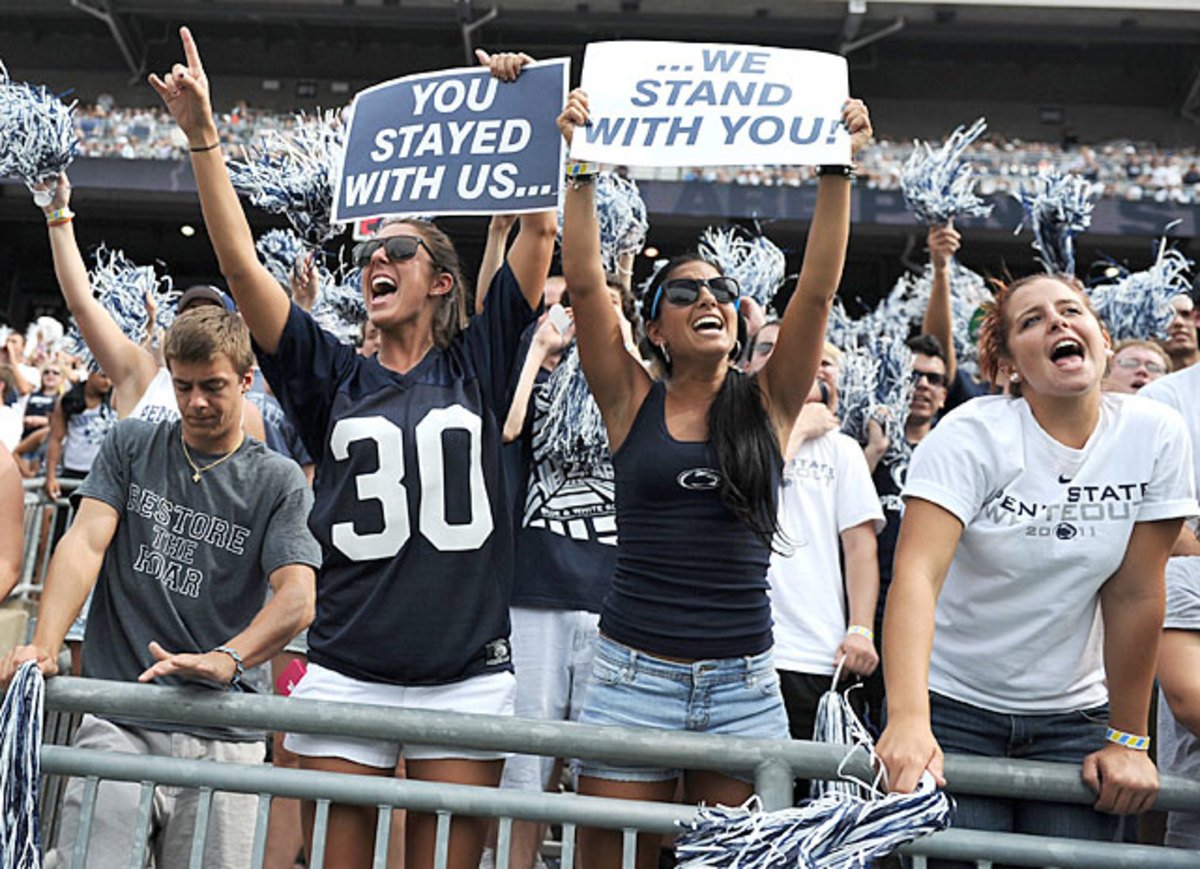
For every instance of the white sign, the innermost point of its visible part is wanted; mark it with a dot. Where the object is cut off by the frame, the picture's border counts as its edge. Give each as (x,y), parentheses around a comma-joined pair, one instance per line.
(704,104)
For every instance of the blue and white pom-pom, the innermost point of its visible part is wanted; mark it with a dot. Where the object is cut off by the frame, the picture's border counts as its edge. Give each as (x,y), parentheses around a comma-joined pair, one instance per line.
(621,212)
(279,250)
(754,260)
(37,136)
(340,308)
(121,287)
(291,173)
(1138,304)
(836,723)
(573,431)
(909,299)
(21,719)
(939,185)
(1058,207)
(875,383)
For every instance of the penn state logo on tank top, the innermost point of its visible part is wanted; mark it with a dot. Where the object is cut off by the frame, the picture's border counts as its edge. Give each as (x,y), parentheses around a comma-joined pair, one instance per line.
(699,479)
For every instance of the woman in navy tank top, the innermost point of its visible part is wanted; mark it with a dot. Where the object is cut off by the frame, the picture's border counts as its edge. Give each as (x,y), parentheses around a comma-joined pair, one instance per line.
(686,628)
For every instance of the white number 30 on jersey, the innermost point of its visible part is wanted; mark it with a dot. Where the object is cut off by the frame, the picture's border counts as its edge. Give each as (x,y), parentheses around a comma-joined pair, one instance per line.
(386,484)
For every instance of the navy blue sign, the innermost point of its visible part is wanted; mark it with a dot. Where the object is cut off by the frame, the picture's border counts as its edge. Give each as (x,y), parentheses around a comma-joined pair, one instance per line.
(455,142)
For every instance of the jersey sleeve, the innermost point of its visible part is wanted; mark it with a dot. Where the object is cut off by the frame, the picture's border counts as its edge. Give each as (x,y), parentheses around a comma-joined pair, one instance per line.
(952,466)
(1171,492)
(304,372)
(492,339)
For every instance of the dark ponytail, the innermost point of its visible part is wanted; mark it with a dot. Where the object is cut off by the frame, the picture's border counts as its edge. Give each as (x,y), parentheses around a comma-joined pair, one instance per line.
(749,454)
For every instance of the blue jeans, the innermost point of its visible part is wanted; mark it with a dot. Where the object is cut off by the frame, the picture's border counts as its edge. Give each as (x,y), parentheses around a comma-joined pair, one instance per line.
(630,688)
(1066,737)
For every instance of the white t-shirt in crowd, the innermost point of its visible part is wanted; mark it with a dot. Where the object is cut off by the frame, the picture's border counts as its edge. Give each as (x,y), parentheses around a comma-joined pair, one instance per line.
(1178,747)
(1181,390)
(158,402)
(1044,526)
(826,489)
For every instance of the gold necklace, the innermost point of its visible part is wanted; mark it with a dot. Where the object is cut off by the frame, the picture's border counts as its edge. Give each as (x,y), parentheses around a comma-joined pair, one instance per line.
(198,471)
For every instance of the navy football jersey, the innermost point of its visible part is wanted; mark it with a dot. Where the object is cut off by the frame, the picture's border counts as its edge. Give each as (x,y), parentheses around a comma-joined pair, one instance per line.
(410,503)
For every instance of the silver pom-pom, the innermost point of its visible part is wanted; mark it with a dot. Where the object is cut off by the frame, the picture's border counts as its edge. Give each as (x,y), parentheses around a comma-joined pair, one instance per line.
(37,136)
(291,173)
(122,287)
(573,431)
(622,215)
(754,260)
(1138,305)
(1058,206)
(939,185)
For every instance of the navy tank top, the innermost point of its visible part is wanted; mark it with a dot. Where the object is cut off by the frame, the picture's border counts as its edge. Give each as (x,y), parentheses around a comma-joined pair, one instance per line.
(691,578)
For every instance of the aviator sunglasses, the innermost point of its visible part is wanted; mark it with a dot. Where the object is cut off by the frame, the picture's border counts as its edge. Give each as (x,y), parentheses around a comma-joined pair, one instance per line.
(397,248)
(685,291)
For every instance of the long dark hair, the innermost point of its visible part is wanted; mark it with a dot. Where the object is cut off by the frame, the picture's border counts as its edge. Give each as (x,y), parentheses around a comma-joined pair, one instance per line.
(739,430)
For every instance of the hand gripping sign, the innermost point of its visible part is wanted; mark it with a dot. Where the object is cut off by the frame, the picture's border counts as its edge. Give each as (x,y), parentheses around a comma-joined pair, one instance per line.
(703,104)
(454,142)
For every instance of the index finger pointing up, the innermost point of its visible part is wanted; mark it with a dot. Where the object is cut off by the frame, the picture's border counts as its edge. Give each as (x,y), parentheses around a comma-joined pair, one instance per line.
(191,52)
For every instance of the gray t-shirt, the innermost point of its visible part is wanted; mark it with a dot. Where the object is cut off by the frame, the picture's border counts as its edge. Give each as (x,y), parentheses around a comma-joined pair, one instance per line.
(189,564)
(1178,747)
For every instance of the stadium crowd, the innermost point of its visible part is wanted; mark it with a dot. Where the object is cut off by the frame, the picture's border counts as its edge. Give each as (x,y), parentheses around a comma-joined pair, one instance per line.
(690,528)
(1126,169)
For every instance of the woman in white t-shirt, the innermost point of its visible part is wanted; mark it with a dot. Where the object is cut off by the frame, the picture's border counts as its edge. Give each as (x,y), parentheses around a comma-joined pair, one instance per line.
(1022,516)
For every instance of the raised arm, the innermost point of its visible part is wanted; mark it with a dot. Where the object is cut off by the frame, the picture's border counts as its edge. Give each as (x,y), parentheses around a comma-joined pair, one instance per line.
(73,571)
(531,252)
(262,302)
(788,374)
(943,242)
(617,381)
(547,343)
(130,366)
(58,431)
(1131,602)
(494,249)
(928,537)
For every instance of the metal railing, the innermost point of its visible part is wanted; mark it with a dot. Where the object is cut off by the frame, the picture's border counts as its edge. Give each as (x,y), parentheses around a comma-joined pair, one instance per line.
(774,763)
(41,516)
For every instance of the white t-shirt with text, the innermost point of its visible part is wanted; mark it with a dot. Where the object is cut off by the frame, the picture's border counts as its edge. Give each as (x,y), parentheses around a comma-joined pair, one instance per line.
(1044,526)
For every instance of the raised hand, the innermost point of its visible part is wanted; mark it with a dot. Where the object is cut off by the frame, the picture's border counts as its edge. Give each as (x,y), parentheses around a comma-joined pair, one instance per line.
(52,198)
(857,121)
(943,243)
(184,90)
(505,66)
(574,114)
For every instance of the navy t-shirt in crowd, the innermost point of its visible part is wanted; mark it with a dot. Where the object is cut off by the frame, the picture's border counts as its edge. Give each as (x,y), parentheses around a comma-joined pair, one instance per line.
(410,504)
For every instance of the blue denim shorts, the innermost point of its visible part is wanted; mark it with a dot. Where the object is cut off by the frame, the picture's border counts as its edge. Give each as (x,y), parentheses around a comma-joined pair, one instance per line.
(734,696)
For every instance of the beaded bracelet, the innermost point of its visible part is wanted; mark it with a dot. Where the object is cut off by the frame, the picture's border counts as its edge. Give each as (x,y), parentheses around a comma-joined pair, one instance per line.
(861,631)
(238,667)
(1128,740)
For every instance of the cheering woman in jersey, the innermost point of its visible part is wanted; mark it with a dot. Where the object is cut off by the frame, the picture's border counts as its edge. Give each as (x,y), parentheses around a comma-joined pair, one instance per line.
(410,508)
(686,628)
(1027,601)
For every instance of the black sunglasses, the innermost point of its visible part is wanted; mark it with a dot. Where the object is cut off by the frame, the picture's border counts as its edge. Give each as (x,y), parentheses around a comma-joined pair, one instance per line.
(397,248)
(685,291)
(934,378)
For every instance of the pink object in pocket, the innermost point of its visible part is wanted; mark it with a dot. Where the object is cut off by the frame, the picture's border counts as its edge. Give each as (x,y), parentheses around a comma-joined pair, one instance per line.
(291,676)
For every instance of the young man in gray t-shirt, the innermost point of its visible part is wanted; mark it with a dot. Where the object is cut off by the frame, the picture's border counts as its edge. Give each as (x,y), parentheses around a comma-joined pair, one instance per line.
(184,524)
